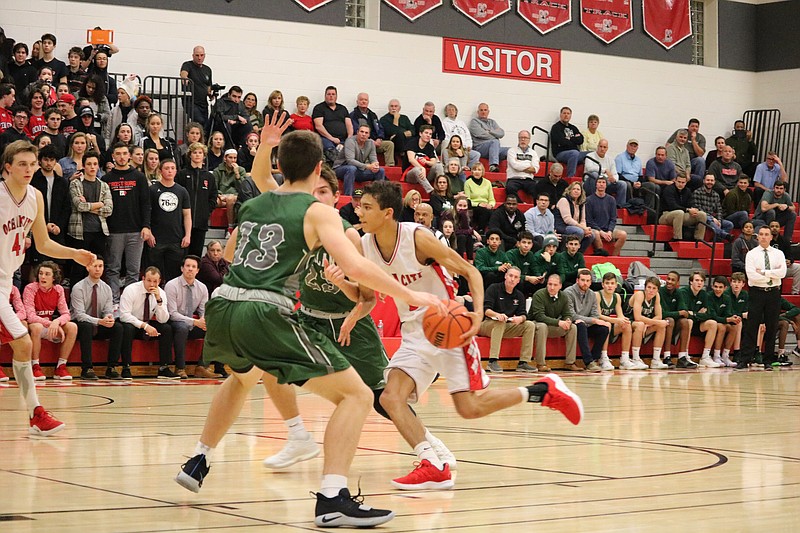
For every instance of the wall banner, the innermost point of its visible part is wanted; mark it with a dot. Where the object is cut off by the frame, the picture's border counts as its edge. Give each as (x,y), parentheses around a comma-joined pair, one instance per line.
(545,15)
(607,19)
(482,11)
(413,9)
(667,21)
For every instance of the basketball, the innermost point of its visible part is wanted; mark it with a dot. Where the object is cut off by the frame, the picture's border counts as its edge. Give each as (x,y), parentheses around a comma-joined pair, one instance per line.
(445,331)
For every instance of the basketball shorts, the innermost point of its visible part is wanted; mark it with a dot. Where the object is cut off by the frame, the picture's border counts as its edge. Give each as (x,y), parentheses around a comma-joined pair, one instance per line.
(421,361)
(11,327)
(365,352)
(244,334)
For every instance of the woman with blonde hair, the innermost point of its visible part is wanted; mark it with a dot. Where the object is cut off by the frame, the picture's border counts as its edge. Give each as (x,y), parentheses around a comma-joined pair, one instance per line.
(570,214)
(154,140)
(412,199)
(275,103)
(480,195)
(151,163)
(72,163)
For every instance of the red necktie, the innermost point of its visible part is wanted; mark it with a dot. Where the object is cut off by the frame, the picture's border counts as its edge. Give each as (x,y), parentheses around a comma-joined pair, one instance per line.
(147,313)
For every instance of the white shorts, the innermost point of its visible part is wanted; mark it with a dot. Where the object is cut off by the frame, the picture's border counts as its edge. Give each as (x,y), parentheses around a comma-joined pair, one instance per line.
(421,361)
(11,327)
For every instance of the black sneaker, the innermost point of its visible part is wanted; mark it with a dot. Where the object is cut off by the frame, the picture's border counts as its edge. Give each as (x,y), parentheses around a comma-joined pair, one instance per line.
(783,360)
(601,252)
(494,168)
(88,374)
(111,373)
(219,368)
(348,511)
(165,373)
(193,472)
(668,361)
(685,362)
(126,373)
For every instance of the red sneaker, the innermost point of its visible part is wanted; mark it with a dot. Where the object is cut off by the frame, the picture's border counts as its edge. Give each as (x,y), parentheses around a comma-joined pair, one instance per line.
(38,375)
(560,398)
(425,476)
(62,373)
(3,376)
(44,424)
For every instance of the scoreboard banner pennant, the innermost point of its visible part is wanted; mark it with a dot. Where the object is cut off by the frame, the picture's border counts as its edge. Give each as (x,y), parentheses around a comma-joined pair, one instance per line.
(667,21)
(545,15)
(482,11)
(413,9)
(607,19)
(311,5)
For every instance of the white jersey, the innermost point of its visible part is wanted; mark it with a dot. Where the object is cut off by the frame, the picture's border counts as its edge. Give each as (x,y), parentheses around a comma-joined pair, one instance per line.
(404,267)
(17,219)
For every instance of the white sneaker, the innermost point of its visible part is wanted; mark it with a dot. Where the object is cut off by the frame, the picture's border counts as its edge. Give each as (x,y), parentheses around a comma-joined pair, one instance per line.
(640,365)
(442,452)
(717,359)
(728,363)
(708,362)
(626,364)
(605,364)
(656,364)
(294,451)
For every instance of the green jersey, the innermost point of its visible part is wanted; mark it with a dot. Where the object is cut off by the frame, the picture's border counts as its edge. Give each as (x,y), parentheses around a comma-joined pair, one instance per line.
(568,266)
(271,250)
(608,308)
(670,305)
(488,261)
(543,267)
(318,293)
(739,304)
(523,262)
(720,307)
(694,302)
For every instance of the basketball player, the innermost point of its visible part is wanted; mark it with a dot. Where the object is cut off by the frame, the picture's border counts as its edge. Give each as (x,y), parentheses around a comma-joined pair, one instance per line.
(21,210)
(610,306)
(646,307)
(252,310)
(418,260)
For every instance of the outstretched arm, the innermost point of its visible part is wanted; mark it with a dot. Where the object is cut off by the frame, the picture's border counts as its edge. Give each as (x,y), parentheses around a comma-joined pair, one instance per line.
(51,248)
(261,171)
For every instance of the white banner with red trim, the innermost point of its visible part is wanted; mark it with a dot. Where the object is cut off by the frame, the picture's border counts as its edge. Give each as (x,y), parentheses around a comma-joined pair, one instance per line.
(608,20)
(311,5)
(413,9)
(667,21)
(545,15)
(482,11)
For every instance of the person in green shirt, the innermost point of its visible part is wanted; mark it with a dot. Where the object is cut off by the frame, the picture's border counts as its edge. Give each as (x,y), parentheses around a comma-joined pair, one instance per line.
(694,299)
(679,330)
(491,260)
(229,177)
(544,262)
(551,313)
(570,260)
(740,299)
(720,307)
(522,258)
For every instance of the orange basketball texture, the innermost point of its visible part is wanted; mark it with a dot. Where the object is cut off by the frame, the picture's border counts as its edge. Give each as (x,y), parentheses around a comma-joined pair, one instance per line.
(445,331)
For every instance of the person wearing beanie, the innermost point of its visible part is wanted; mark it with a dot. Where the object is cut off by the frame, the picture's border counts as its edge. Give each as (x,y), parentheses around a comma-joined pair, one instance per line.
(229,176)
(122,112)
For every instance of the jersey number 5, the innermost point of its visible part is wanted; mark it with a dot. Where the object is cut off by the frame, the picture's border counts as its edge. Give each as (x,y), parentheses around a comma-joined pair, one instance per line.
(269,237)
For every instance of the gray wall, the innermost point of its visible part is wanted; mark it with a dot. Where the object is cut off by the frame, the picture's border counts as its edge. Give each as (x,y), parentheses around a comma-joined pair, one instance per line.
(777,36)
(737,32)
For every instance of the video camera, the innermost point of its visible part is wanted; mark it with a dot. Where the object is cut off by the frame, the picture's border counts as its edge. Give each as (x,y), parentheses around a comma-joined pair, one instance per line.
(215,90)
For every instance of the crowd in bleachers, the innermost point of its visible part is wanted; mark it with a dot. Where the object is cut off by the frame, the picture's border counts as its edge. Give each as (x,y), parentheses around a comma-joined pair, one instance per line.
(115,184)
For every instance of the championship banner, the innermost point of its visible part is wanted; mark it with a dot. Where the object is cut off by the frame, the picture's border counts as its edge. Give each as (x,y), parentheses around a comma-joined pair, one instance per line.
(413,9)
(667,21)
(607,19)
(311,5)
(482,11)
(495,60)
(545,15)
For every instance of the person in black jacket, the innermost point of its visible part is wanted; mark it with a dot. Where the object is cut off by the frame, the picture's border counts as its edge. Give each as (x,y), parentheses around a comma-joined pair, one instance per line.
(202,188)
(678,209)
(230,116)
(57,205)
(509,221)
(566,140)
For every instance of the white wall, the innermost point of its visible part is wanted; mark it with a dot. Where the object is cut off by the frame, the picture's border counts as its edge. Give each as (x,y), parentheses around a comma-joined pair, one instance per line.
(779,90)
(634,98)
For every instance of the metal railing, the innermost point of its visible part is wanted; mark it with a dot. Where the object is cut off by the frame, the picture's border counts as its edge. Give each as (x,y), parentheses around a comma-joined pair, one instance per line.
(656,211)
(713,246)
(788,150)
(764,123)
(172,99)
(548,154)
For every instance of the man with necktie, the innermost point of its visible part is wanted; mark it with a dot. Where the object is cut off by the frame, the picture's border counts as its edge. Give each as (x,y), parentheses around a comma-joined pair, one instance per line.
(187,297)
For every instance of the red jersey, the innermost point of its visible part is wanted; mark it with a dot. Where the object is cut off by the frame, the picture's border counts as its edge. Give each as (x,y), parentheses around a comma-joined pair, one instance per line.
(6,119)
(36,125)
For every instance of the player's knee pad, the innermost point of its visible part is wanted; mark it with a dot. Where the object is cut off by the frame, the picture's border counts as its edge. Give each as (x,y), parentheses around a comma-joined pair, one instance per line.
(376,404)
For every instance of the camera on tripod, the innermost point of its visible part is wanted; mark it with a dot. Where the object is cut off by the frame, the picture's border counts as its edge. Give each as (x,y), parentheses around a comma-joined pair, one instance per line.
(215,90)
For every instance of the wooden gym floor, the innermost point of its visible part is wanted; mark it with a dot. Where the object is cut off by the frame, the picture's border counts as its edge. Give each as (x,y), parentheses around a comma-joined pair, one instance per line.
(673,451)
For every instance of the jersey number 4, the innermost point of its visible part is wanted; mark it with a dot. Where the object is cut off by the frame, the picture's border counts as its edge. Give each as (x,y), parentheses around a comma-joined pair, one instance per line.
(19,242)
(269,237)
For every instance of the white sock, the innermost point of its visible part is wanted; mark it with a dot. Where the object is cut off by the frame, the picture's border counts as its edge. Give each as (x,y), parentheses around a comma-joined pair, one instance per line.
(297,430)
(683,354)
(332,484)
(604,354)
(430,436)
(34,361)
(624,355)
(717,353)
(425,451)
(657,353)
(667,355)
(706,353)
(635,352)
(202,449)
(525,393)
(23,373)
(61,362)
(726,353)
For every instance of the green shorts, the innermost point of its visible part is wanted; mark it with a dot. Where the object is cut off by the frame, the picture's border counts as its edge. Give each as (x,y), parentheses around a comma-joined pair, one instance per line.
(365,351)
(244,334)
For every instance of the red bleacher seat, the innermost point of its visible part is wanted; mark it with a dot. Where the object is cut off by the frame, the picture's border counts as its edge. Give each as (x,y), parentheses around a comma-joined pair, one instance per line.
(722,267)
(343,201)
(633,220)
(692,250)
(414,187)
(393,173)
(143,352)
(218,218)
(661,232)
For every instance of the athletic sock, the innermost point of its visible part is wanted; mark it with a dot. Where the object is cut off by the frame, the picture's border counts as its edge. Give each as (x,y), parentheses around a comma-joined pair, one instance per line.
(332,484)
(604,354)
(34,361)
(717,354)
(524,392)
(297,430)
(202,449)
(657,353)
(424,450)
(537,391)
(706,353)
(667,354)
(681,355)
(23,373)
(635,352)
(61,362)
(726,354)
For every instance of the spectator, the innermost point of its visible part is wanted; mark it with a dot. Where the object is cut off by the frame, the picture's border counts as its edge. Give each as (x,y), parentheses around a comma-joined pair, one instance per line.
(186,303)
(144,108)
(194,134)
(738,202)
(90,51)
(740,302)
(570,215)
(782,243)
(301,121)
(777,205)
(123,134)
(20,69)
(410,202)
(600,163)
(673,309)
(16,132)
(37,121)
(678,210)
(49,60)
(509,221)
(570,261)
(144,315)
(742,245)
(449,234)
(72,164)
(216,150)
(696,147)
(69,119)
(349,211)
(742,143)
(229,176)
(480,195)
(154,139)
(99,68)
(454,150)
(540,221)
(202,188)
(94,139)
(92,204)
(647,312)
(332,121)
(609,304)
(583,308)
(726,172)
(123,112)
(275,104)
(524,259)
(428,116)
(201,77)
(230,116)
(7,99)
(523,164)
(504,317)
(566,140)
(543,263)
(76,75)
(454,174)
(790,314)
(486,134)
(358,161)
(247,153)
(455,127)
(92,311)
(629,168)
(591,135)
(422,164)
(423,215)
(397,127)
(768,174)
(48,316)
(170,222)
(55,193)
(706,199)
(720,307)
(694,299)
(466,235)
(491,260)
(441,199)
(250,102)
(151,164)
(363,115)
(213,267)
(553,186)
(550,311)
(678,153)
(713,155)
(601,216)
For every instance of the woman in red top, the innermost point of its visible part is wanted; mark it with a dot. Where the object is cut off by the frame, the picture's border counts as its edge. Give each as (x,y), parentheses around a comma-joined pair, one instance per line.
(48,318)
